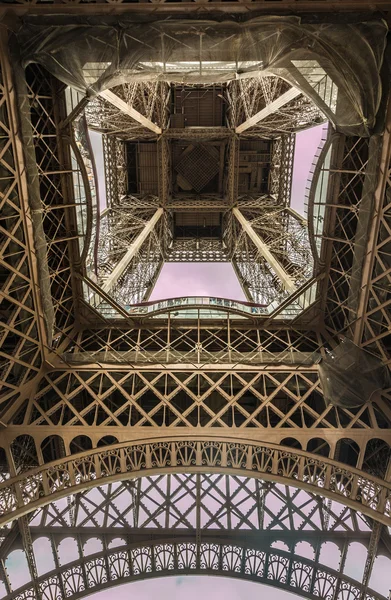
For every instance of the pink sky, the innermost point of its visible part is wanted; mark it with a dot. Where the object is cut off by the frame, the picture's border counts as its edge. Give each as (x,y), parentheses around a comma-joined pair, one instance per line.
(307,142)
(190,587)
(194,588)
(197,279)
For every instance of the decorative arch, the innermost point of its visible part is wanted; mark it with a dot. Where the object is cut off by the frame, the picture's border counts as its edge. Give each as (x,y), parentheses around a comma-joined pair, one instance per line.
(105,524)
(79,443)
(291,443)
(42,485)
(305,549)
(52,445)
(330,555)
(347,451)
(43,555)
(24,453)
(212,556)
(107,440)
(319,446)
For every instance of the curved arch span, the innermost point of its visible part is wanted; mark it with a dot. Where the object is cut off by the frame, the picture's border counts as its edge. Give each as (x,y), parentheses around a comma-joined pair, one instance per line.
(42,485)
(215,556)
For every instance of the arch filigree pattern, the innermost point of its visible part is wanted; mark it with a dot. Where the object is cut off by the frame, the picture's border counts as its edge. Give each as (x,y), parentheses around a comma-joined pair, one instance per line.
(80,392)
(212,557)
(38,487)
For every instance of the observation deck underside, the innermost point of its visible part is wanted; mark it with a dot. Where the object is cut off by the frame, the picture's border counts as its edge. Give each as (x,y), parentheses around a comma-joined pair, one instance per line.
(141,438)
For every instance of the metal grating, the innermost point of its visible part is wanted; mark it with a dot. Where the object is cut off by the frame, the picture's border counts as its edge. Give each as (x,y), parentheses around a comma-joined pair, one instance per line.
(198,167)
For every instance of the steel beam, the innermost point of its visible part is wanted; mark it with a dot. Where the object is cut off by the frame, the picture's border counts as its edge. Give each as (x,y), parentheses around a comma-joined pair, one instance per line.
(129,110)
(263,248)
(370,256)
(119,270)
(271,108)
(262,6)
(242,457)
(38,274)
(168,556)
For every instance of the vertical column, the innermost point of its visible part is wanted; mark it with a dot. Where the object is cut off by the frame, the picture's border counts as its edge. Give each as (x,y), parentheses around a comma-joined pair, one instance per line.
(263,249)
(119,270)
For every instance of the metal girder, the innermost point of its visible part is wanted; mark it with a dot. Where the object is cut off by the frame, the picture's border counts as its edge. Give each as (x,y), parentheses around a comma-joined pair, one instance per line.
(129,110)
(24,327)
(194,385)
(269,109)
(375,242)
(246,506)
(222,512)
(277,267)
(279,6)
(121,267)
(41,485)
(213,555)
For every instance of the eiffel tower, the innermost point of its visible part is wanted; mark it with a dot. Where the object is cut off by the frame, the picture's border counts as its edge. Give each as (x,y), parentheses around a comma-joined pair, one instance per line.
(194,435)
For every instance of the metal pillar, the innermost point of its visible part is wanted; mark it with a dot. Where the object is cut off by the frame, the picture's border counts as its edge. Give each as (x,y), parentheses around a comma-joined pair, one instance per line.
(277,267)
(269,109)
(132,251)
(129,110)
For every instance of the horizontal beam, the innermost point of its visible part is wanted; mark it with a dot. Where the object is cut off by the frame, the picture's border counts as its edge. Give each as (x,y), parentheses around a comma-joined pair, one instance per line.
(119,270)
(157,533)
(129,110)
(69,475)
(271,108)
(263,248)
(217,554)
(264,6)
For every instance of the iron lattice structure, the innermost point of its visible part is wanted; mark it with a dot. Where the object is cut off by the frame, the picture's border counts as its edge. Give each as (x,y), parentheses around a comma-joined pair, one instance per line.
(176,440)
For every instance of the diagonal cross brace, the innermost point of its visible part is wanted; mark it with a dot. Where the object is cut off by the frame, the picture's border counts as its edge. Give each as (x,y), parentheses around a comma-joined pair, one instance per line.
(271,108)
(119,270)
(264,250)
(129,110)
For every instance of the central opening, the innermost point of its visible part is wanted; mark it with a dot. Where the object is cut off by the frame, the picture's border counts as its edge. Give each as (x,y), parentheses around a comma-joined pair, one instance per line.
(199,190)
(198,279)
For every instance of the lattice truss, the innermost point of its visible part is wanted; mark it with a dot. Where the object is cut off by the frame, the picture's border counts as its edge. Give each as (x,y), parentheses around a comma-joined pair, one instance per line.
(284,233)
(286,236)
(119,532)
(208,502)
(197,250)
(249,96)
(373,325)
(62,410)
(346,230)
(246,97)
(121,227)
(206,343)
(275,405)
(150,99)
(281,168)
(20,349)
(55,218)
(53,175)
(115,169)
